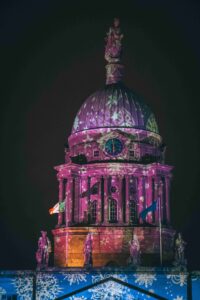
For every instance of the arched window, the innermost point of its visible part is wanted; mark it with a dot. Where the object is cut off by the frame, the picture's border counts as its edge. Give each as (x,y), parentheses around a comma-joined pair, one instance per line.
(133,212)
(112,210)
(93,211)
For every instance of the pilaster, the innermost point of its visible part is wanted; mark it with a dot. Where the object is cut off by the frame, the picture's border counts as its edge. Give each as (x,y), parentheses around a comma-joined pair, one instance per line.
(105,200)
(98,219)
(121,199)
(148,188)
(140,197)
(68,201)
(60,196)
(127,200)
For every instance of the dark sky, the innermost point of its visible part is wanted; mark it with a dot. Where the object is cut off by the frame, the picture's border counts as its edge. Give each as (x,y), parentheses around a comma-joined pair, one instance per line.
(51,60)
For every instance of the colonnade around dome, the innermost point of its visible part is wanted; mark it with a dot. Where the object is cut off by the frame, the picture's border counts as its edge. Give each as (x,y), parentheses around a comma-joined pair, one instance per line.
(106,193)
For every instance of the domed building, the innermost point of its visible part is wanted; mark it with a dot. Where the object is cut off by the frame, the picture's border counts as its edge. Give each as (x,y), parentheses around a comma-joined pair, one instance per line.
(113,225)
(114,183)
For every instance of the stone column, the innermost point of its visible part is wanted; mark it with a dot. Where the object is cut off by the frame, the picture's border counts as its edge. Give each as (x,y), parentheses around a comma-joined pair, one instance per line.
(140,197)
(60,197)
(157,198)
(120,200)
(88,199)
(105,222)
(137,197)
(154,198)
(148,188)
(164,206)
(127,199)
(68,201)
(144,178)
(160,200)
(102,199)
(73,199)
(83,200)
(76,200)
(80,200)
(98,219)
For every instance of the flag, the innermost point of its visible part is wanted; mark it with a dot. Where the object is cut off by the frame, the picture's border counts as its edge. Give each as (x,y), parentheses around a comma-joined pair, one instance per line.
(59,207)
(62,206)
(150,208)
(92,191)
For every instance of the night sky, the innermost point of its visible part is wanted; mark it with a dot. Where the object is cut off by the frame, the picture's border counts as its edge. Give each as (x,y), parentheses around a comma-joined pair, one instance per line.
(52,59)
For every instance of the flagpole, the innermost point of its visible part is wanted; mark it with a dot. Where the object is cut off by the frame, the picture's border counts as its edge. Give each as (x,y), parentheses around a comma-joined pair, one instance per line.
(160,230)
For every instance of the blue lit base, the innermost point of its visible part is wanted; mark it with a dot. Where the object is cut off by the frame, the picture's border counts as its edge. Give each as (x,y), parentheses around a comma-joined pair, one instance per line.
(107,283)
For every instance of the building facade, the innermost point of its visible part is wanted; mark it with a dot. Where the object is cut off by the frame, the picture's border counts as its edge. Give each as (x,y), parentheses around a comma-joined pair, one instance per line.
(114,182)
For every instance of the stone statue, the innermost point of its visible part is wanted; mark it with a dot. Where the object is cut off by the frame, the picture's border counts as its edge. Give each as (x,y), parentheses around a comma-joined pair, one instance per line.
(44,249)
(88,251)
(180,251)
(134,259)
(113,47)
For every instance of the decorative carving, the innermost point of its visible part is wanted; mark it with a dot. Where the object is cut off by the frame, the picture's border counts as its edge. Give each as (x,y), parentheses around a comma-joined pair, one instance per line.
(44,249)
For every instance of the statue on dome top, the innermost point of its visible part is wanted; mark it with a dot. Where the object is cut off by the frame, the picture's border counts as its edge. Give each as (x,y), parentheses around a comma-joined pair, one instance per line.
(113,49)
(44,249)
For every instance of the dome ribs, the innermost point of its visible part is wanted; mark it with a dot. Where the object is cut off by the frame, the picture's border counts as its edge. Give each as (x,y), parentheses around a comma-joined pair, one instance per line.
(114,106)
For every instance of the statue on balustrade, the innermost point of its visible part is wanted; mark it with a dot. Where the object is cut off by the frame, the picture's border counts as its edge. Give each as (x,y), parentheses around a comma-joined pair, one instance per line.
(134,259)
(180,251)
(88,251)
(44,249)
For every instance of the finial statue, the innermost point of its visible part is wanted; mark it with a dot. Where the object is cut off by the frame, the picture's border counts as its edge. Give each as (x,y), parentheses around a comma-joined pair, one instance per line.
(43,251)
(113,47)
(88,251)
(180,251)
(113,53)
(134,259)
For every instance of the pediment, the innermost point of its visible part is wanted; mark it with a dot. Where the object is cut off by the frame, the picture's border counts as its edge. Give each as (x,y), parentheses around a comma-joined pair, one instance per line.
(111,288)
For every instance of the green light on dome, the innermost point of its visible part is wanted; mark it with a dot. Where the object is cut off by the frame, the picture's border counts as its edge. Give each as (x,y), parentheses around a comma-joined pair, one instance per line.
(151,124)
